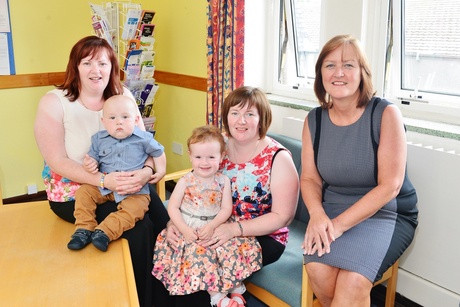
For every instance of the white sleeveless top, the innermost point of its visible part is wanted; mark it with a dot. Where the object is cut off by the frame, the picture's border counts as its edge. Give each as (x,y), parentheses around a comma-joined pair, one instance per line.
(79,125)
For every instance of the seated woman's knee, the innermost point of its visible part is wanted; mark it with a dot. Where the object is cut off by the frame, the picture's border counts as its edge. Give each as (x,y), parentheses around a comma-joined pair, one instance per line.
(353,283)
(323,281)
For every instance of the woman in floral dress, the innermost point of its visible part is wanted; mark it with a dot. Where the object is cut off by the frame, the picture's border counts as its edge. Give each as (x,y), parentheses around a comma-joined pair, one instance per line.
(264,184)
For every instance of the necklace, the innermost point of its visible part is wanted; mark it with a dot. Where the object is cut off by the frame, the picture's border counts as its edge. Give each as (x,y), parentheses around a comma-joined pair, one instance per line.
(92,108)
(235,153)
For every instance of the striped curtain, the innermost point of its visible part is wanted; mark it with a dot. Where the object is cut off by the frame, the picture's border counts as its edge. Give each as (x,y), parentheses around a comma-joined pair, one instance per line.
(225,54)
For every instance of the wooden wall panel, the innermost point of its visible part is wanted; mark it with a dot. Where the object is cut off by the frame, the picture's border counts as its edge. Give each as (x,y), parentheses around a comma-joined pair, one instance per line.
(54,78)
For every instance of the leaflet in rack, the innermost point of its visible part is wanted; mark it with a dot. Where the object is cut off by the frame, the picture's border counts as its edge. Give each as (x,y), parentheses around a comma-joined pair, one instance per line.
(130,31)
(101,26)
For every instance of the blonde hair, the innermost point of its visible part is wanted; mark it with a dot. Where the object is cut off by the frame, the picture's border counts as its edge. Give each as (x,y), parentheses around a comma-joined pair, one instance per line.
(128,103)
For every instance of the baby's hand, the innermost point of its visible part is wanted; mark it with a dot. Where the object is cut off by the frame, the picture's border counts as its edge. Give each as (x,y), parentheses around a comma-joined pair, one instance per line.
(90,164)
(156,177)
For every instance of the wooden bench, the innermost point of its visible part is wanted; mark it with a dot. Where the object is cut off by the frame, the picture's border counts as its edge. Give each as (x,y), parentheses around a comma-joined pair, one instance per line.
(38,269)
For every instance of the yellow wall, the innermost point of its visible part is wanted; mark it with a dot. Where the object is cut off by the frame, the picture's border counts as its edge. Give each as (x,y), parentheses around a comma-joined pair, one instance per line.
(42,38)
(180,47)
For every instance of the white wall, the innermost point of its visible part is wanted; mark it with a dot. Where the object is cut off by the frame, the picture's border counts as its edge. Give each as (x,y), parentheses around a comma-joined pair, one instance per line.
(430,268)
(255,41)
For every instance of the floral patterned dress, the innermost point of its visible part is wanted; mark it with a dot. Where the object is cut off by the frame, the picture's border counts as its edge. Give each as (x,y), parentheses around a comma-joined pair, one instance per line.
(250,182)
(192,267)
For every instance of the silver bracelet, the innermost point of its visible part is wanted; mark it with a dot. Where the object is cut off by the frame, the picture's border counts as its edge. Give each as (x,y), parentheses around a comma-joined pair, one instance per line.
(241,228)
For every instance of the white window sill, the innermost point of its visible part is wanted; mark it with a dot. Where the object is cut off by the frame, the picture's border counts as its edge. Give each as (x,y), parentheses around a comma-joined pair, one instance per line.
(450,133)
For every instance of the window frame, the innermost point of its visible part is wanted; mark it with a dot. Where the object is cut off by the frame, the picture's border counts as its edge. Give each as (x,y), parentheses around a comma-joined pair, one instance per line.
(432,107)
(371,23)
(271,83)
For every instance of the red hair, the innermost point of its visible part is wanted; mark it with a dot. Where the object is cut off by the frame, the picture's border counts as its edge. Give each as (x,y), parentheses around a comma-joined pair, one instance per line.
(90,46)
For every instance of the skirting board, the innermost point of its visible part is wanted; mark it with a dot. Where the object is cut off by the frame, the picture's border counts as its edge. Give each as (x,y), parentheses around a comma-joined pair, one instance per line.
(424,292)
(40,195)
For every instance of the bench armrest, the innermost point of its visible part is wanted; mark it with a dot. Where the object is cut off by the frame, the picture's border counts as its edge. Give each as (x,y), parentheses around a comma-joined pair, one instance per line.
(161,185)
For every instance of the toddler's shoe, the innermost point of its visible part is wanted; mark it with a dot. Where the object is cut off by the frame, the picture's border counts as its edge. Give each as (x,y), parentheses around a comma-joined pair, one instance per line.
(100,240)
(230,303)
(80,239)
(240,297)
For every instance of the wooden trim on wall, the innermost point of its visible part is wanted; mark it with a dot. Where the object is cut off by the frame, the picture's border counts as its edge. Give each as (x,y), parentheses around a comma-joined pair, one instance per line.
(31,80)
(190,82)
(54,78)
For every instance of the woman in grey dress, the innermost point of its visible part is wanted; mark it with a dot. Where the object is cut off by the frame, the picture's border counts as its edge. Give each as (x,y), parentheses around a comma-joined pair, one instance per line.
(353,168)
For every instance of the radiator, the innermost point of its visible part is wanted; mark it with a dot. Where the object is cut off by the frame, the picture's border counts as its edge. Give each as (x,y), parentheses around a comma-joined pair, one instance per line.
(429,271)
(430,268)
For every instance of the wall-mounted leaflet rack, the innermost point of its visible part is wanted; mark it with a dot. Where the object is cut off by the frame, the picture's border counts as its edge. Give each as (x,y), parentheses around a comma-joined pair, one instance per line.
(130,31)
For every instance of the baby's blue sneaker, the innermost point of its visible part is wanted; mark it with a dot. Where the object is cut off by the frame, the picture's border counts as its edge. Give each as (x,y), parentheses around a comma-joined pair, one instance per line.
(100,240)
(80,239)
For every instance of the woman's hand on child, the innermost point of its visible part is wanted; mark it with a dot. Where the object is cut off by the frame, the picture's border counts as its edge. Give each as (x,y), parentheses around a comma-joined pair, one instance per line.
(221,234)
(129,182)
(172,235)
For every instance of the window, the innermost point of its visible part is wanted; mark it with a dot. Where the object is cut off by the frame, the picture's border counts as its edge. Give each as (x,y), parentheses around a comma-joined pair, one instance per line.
(413,47)
(426,58)
(431,47)
(299,41)
(297,38)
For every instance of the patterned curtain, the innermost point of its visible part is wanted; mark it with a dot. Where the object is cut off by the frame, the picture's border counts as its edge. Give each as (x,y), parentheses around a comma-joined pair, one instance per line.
(225,53)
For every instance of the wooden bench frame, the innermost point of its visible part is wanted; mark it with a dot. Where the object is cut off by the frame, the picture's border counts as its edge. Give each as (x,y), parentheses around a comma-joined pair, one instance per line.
(308,298)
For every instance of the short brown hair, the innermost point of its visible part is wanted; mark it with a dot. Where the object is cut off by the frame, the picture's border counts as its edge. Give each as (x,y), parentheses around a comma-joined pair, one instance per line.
(90,46)
(365,86)
(251,96)
(206,134)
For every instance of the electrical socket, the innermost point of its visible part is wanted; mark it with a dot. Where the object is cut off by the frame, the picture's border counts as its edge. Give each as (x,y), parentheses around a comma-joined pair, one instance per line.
(32,189)
(177,148)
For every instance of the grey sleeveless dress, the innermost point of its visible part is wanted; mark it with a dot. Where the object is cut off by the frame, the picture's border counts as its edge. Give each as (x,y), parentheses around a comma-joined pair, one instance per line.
(346,163)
